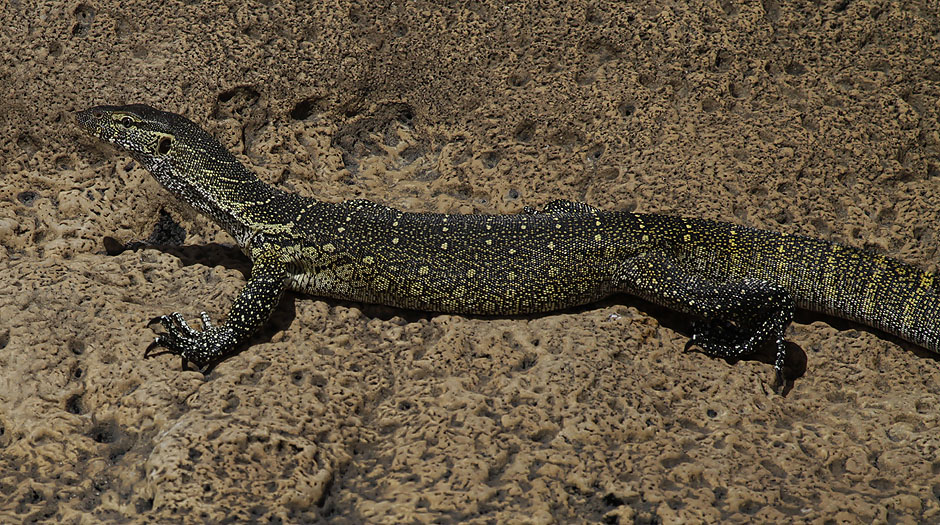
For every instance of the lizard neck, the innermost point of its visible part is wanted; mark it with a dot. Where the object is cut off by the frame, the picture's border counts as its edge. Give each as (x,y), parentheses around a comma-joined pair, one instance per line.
(224,191)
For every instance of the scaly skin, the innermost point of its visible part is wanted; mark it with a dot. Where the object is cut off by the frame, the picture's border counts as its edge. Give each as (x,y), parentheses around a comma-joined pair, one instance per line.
(741,283)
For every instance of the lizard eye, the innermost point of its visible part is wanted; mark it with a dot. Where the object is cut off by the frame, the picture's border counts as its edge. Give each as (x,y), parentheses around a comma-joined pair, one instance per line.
(163,146)
(126,122)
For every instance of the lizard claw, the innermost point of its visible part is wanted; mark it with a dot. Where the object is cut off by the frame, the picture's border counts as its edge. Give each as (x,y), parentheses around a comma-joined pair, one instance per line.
(719,338)
(201,348)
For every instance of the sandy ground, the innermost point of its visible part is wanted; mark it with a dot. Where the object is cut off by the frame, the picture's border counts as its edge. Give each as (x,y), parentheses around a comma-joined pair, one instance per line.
(816,118)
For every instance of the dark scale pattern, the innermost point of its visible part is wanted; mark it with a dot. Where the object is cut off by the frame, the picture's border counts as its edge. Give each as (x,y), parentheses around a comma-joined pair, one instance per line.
(463,264)
(741,284)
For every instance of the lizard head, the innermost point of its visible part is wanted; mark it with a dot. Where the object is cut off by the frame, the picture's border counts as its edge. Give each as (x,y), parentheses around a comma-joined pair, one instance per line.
(186,160)
(179,154)
(146,133)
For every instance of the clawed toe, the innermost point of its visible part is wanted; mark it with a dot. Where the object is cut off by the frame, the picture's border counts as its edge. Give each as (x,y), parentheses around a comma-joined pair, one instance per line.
(199,348)
(718,338)
(156,343)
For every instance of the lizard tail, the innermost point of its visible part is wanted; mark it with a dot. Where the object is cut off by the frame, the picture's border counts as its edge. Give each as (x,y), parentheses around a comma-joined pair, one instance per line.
(858,285)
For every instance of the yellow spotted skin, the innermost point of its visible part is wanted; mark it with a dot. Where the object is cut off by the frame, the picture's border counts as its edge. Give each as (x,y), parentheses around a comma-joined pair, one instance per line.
(741,284)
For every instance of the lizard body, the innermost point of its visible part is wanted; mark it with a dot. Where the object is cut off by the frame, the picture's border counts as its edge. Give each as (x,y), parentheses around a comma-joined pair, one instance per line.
(741,283)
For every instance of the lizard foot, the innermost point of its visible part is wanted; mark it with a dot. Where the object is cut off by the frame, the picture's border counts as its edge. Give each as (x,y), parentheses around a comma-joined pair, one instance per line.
(719,338)
(201,348)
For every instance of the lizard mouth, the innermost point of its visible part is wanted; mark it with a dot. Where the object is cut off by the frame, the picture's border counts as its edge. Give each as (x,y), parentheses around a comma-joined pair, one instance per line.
(90,120)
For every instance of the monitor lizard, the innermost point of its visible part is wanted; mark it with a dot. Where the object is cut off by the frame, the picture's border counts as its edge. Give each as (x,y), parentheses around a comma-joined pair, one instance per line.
(741,284)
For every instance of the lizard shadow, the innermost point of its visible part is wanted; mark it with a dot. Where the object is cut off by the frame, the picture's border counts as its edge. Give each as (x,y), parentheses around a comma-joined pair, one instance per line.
(231,257)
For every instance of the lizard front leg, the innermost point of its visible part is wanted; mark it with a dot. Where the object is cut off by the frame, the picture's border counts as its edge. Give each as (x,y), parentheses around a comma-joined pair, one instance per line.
(250,311)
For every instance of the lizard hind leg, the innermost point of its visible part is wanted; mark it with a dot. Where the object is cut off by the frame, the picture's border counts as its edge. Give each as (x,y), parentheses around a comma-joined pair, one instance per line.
(755,313)
(738,316)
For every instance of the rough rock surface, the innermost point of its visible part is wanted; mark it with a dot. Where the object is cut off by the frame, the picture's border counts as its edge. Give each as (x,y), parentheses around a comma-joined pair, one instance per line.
(812,117)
